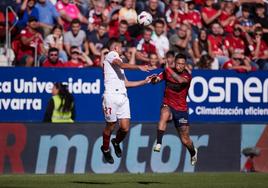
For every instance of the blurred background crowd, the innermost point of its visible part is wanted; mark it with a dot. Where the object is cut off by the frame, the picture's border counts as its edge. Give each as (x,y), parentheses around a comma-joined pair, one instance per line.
(213,34)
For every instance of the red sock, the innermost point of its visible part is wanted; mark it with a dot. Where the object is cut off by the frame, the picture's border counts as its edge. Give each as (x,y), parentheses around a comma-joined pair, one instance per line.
(120,135)
(106,141)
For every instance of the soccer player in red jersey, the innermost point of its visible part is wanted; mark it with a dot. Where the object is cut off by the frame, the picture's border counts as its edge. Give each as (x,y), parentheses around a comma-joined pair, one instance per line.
(174,104)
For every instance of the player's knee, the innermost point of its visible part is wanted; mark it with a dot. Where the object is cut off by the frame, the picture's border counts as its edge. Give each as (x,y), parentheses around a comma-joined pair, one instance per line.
(185,140)
(125,129)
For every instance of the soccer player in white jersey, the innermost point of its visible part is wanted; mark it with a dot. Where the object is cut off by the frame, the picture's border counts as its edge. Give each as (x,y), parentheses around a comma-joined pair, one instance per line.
(115,100)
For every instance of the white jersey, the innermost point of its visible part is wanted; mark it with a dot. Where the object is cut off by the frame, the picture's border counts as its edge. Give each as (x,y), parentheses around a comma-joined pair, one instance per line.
(114,76)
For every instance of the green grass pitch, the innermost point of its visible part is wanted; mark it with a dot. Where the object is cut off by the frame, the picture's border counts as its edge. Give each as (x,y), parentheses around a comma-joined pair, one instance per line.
(120,180)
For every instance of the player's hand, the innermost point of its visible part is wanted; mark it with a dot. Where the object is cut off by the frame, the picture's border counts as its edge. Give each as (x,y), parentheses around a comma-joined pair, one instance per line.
(155,79)
(148,79)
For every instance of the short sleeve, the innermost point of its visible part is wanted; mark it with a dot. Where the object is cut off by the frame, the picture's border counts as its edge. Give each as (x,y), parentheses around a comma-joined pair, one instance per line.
(111,56)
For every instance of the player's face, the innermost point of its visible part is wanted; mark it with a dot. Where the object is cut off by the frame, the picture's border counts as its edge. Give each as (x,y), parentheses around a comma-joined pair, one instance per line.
(118,48)
(180,64)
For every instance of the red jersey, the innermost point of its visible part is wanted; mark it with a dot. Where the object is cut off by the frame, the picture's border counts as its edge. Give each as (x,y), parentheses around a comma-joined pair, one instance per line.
(230,27)
(229,64)
(146,47)
(170,16)
(193,17)
(263,48)
(216,44)
(47,63)
(28,50)
(94,18)
(176,93)
(209,11)
(70,64)
(236,43)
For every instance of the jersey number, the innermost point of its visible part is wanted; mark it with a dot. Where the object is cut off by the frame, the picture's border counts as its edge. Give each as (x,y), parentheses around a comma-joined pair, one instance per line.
(107,110)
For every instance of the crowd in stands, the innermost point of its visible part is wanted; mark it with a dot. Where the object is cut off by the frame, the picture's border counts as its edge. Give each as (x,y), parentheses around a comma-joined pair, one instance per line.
(213,34)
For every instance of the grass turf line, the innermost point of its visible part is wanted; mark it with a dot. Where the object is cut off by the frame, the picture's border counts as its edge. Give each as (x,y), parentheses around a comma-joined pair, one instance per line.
(125,180)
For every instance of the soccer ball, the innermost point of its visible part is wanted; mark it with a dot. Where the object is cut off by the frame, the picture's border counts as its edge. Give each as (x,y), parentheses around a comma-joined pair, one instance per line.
(145,18)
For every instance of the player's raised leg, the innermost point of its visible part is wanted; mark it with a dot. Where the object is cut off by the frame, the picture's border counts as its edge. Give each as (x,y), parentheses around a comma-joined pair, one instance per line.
(183,132)
(120,135)
(164,118)
(105,148)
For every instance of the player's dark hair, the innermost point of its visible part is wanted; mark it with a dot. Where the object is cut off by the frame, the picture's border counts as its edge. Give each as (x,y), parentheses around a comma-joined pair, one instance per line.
(180,56)
(66,97)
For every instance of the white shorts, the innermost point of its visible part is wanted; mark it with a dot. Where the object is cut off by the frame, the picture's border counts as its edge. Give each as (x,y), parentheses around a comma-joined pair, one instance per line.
(115,106)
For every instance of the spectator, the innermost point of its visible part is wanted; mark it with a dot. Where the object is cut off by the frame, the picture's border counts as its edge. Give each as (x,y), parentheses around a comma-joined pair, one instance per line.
(215,44)
(261,19)
(170,59)
(69,11)
(145,47)
(114,23)
(26,10)
(60,108)
(174,16)
(154,61)
(29,45)
(244,20)
(205,62)
(7,57)
(160,40)
(259,49)
(97,40)
(53,59)
(111,7)
(76,37)
(128,12)
(122,34)
(238,62)
(192,18)
(235,42)
(227,19)
(209,14)
(47,15)
(153,7)
(130,54)
(78,59)
(180,42)
(200,45)
(55,40)
(97,16)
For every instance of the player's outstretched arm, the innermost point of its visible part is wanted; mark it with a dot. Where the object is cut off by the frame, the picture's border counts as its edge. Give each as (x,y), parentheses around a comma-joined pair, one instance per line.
(122,65)
(147,80)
